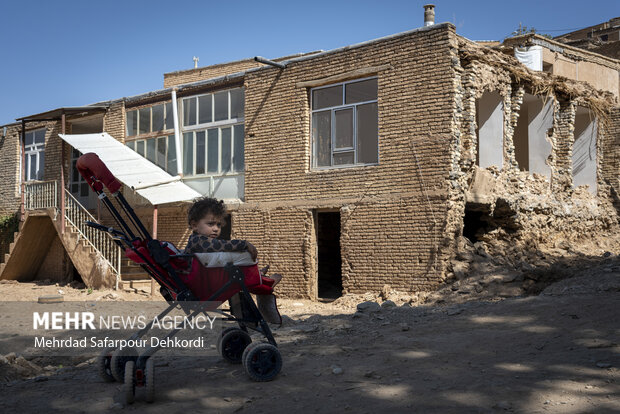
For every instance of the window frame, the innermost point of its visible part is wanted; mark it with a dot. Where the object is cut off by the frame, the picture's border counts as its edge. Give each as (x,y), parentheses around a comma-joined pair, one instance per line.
(194,129)
(35,149)
(332,110)
(132,144)
(150,132)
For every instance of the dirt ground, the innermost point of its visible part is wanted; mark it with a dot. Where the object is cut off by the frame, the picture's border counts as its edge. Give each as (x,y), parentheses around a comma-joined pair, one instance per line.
(552,349)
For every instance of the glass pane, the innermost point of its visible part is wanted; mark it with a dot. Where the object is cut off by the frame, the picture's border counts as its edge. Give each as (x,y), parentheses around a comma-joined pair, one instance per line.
(367,133)
(140,147)
(226,150)
(74,188)
(212,151)
(84,190)
(221,105)
(344,158)
(200,152)
(29,138)
(150,149)
(41,166)
(204,109)
(158,117)
(144,121)
(75,153)
(172,156)
(238,156)
(321,137)
(39,136)
(361,91)
(132,123)
(188,153)
(326,97)
(75,174)
(32,160)
(169,116)
(131,144)
(189,111)
(161,152)
(236,103)
(344,128)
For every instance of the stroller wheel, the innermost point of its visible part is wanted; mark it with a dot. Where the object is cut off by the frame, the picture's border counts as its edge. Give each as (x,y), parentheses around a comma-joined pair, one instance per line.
(232,344)
(129,387)
(262,361)
(104,365)
(150,380)
(118,361)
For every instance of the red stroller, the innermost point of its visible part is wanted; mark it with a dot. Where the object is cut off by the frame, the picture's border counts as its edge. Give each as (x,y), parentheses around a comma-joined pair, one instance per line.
(181,284)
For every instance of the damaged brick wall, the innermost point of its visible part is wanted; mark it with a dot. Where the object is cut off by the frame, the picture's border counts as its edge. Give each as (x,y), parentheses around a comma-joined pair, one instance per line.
(10,171)
(520,207)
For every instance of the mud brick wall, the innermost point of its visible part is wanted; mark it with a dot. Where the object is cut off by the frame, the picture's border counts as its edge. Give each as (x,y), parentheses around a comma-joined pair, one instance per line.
(208,72)
(10,171)
(114,121)
(415,95)
(610,170)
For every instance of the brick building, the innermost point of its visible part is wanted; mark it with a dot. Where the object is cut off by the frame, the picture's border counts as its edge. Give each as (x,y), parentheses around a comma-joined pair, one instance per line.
(360,166)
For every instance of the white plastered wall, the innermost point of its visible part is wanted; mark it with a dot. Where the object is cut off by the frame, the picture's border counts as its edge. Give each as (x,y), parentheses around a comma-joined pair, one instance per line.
(584,150)
(540,116)
(490,130)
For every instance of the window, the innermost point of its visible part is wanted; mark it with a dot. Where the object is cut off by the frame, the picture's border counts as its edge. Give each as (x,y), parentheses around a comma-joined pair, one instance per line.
(35,154)
(214,151)
(78,185)
(159,150)
(345,124)
(150,119)
(224,106)
(213,133)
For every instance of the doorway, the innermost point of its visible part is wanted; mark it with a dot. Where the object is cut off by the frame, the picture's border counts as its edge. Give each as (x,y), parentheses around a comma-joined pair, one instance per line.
(328,255)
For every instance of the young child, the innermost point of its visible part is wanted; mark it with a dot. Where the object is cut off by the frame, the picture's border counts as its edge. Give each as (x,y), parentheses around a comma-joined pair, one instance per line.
(206,218)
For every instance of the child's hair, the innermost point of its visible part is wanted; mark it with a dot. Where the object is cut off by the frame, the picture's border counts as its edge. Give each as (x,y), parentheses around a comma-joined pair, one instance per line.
(203,206)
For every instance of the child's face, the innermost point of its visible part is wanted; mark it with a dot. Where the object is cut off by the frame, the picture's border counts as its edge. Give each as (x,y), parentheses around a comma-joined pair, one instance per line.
(209,225)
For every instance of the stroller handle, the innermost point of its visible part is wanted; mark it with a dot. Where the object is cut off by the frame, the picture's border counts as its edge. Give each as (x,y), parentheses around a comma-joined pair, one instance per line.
(95,172)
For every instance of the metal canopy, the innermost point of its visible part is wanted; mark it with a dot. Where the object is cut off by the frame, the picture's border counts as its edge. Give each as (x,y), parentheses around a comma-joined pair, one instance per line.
(57,113)
(136,172)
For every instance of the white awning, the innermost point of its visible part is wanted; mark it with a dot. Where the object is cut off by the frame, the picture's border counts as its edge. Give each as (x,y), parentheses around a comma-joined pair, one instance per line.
(133,170)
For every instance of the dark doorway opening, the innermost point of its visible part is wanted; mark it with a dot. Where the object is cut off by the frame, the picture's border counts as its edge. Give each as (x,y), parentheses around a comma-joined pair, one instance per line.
(473,224)
(329,259)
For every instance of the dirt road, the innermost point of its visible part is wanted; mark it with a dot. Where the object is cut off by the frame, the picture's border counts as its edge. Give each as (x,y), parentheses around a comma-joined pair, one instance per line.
(557,352)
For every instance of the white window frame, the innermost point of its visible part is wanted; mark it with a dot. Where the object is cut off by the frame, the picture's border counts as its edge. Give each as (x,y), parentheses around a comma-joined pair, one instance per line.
(35,149)
(132,144)
(205,126)
(333,110)
(150,108)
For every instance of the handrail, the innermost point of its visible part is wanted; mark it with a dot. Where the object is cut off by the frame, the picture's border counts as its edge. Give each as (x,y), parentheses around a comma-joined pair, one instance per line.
(77,215)
(44,194)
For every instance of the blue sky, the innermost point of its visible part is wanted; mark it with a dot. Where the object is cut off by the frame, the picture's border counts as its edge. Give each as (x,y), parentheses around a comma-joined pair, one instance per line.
(71,53)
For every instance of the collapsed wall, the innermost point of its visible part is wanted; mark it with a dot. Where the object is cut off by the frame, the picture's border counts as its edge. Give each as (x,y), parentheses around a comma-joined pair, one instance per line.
(538,162)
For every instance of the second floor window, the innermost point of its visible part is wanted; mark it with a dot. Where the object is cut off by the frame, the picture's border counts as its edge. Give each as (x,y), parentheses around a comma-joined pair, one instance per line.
(35,154)
(150,119)
(159,150)
(345,124)
(213,133)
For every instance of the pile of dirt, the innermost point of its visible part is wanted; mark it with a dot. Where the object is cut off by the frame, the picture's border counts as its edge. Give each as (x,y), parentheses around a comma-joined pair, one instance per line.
(13,367)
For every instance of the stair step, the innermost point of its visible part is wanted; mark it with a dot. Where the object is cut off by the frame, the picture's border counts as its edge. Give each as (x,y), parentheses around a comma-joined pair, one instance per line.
(6,257)
(135,285)
(133,276)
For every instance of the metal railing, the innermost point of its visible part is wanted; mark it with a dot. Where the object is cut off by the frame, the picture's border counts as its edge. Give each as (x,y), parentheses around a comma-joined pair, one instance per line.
(44,194)
(41,194)
(77,215)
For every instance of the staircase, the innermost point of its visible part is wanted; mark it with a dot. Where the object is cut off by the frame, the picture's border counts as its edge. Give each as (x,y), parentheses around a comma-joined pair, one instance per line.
(97,258)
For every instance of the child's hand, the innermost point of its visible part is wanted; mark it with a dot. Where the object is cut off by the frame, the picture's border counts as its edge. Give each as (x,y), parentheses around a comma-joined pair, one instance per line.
(252,250)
